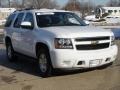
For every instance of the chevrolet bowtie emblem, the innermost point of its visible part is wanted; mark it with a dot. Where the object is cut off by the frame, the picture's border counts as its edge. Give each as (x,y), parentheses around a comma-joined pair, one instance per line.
(94,42)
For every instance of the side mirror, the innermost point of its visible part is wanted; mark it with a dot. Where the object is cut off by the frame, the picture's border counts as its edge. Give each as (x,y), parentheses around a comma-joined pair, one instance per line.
(87,22)
(26,25)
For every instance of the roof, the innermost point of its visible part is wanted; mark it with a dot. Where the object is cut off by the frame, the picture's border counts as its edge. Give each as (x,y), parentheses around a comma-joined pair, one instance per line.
(50,10)
(44,10)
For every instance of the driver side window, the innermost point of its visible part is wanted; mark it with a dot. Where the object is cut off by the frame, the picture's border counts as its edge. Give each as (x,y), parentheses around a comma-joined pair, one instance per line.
(29,18)
(72,20)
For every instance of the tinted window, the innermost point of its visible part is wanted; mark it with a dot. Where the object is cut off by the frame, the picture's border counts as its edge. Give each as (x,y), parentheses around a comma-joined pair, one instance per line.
(110,11)
(18,20)
(115,11)
(10,20)
(58,19)
(29,18)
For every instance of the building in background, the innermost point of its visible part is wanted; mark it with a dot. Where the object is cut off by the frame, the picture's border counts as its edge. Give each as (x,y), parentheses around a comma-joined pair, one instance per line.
(110,12)
(105,15)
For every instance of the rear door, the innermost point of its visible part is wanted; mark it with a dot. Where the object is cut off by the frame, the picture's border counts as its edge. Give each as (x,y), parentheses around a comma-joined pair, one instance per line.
(8,26)
(16,35)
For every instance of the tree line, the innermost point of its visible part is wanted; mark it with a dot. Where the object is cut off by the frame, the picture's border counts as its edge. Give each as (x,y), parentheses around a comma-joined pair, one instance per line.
(74,5)
(70,5)
(29,3)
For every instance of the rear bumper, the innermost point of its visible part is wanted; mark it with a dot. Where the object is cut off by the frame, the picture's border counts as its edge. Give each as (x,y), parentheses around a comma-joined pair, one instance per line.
(72,59)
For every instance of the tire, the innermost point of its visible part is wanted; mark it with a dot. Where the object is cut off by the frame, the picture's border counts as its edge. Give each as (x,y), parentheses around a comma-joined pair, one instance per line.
(10,52)
(44,63)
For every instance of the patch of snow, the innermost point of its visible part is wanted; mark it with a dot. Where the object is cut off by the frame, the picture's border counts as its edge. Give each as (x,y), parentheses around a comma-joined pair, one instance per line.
(2,22)
(91,18)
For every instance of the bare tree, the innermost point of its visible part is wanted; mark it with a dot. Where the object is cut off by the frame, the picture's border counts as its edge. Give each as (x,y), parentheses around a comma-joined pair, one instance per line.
(118,2)
(84,7)
(9,3)
(87,8)
(0,3)
(14,3)
(45,4)
(5,3)
(54,4)
(113,3)
(73,5)
(22,3)
(29,3)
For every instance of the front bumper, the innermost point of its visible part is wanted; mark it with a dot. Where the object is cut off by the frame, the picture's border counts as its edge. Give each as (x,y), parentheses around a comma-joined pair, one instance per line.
(72,59)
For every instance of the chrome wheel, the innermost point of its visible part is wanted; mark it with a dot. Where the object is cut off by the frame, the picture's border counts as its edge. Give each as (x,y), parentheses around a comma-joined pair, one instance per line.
(43,63)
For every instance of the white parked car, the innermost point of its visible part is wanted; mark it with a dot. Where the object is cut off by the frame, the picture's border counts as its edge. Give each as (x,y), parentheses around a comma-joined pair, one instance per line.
(58,39)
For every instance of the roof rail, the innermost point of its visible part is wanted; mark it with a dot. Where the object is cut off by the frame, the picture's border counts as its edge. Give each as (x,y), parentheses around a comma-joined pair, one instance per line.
(24,9)
(31,8)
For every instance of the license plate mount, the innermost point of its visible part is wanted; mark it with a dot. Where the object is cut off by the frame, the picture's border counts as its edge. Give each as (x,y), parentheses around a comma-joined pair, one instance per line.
(95,62)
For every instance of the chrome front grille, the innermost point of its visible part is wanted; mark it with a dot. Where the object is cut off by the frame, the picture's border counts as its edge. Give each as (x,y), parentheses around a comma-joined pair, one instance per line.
(92,39)
(92,47)
(92,43)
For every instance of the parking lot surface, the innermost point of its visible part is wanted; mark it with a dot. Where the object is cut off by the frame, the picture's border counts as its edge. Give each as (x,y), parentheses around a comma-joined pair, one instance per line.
(22,75)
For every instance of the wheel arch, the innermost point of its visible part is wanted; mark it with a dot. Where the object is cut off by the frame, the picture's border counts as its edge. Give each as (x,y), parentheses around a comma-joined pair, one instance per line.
(7,39)
(43,45)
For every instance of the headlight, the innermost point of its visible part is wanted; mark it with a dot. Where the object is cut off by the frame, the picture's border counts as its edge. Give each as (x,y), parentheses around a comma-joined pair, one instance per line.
(112,40)
(63,43)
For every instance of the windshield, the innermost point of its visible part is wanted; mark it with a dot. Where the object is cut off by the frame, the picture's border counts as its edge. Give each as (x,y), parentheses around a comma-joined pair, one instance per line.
(58,19)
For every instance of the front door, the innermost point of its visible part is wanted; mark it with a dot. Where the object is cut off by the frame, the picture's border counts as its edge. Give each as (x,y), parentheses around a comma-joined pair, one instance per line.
(28,35)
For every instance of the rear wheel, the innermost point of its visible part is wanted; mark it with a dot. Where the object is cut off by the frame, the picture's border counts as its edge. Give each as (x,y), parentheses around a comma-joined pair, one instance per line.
(44,63)
(10,52)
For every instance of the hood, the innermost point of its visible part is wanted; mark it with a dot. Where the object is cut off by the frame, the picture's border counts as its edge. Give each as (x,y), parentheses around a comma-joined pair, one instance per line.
(77,31)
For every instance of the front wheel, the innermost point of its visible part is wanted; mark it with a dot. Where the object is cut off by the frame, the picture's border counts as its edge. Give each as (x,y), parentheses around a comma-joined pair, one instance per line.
(44,63)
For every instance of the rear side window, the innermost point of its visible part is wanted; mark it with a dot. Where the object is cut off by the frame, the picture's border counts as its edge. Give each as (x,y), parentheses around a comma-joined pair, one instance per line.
(18,20)
(10,20)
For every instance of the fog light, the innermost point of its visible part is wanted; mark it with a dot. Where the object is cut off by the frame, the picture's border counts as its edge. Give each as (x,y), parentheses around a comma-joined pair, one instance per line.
(81,62)
(108,59)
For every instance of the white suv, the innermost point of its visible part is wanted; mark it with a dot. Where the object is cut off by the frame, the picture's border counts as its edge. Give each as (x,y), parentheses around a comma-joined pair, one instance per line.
(58,39)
